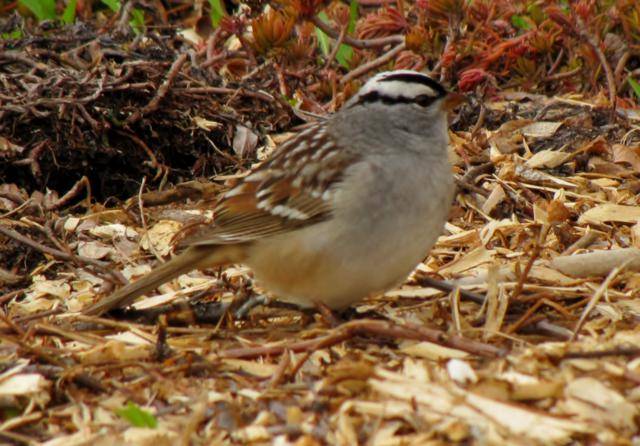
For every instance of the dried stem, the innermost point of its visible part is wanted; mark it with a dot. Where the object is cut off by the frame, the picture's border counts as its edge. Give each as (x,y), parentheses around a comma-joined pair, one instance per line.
(104,267)
(535,253)
(336,46)
(82,183)
(369,327)
(161,93)
(447,287)
(357,43)
(594,44)
(370,66)
(596,298)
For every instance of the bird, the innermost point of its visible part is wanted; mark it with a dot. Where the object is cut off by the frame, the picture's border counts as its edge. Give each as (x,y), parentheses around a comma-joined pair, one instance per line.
(344,210)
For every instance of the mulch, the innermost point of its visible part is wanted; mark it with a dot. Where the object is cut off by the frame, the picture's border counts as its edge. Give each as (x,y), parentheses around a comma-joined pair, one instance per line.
(111,142)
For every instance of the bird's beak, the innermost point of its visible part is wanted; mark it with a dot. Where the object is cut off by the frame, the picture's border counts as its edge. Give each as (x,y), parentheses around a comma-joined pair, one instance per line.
(453,100)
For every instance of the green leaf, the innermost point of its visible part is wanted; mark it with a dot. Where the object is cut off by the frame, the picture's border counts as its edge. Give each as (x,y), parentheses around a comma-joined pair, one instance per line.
(345,52)
(10,412)
(12,35)
(217,12)
(42,9)
(635,86)
(565,5)
(137,15)
(137,416)
(137,20)
(323,39)
(521,22)
(113,5)
(353,16)
(69,14)
(293,102)
(536,13)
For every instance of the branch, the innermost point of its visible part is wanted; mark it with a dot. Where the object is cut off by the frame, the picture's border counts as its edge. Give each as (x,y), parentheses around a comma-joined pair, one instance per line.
(375,63)
(357,43)
(448,287)
(584,34)
(104,267)
(370,327)
(162,91)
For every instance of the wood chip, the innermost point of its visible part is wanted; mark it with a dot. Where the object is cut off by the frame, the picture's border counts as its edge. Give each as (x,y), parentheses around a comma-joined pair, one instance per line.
(597,263)
(608,212)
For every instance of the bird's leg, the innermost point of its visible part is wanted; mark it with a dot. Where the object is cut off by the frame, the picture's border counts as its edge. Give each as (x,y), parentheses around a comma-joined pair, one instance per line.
(242,310)
(330,317)
(256,300)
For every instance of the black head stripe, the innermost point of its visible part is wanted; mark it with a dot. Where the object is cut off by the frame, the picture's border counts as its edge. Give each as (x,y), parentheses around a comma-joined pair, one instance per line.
(374,96)
(417,78)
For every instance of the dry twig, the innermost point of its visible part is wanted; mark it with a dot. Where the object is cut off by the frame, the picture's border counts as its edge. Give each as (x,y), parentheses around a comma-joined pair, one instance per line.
(602,289)
(363,44)
(161,93)
(370,66)
(369,327)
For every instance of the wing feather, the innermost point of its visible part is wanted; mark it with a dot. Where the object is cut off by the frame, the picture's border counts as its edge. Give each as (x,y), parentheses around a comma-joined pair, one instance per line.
(287,192)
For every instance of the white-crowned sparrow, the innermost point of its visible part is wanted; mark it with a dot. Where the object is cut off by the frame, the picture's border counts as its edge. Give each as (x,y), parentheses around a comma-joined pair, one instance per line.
(344,210)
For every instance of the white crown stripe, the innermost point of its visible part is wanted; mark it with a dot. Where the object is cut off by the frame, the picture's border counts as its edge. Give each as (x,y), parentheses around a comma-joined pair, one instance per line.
(397,89)
(401,86)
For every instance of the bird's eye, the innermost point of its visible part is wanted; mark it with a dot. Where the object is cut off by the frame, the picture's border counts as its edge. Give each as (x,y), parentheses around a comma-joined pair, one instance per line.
(423,100)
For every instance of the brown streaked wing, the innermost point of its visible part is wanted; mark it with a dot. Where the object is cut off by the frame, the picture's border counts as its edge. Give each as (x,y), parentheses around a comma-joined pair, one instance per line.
(274,199)
(237,219)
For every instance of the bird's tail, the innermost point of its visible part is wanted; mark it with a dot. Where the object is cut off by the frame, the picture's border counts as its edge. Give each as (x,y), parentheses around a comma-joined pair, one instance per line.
(192,258)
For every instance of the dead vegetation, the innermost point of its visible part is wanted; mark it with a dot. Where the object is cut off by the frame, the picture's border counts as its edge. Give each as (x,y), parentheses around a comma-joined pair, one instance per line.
(99,123)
